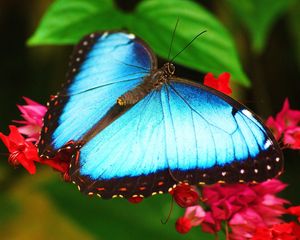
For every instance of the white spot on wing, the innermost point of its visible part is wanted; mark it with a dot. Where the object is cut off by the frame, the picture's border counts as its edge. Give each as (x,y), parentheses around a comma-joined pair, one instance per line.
(247,113)
(131,36)
(104,34)
(268,143)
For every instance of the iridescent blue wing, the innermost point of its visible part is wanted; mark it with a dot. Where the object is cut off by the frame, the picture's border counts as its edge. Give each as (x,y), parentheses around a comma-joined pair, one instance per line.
(182,132)
(103,67)
(230,143)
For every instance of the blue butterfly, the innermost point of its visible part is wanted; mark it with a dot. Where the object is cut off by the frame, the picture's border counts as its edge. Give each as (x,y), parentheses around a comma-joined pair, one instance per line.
(133,129)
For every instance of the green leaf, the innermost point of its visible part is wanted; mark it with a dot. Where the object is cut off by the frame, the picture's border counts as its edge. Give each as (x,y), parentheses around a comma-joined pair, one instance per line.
(117,218)
(258,16)
(214,51)
(66,22)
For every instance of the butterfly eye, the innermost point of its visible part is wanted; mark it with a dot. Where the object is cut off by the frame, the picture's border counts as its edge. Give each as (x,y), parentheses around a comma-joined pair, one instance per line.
(171,68)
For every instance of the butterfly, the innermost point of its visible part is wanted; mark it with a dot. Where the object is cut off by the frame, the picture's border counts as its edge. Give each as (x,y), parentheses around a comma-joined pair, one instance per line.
(133,129)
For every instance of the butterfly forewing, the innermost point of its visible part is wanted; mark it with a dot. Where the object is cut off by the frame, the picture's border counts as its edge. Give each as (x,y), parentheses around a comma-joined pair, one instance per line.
(228,142)
(103,67)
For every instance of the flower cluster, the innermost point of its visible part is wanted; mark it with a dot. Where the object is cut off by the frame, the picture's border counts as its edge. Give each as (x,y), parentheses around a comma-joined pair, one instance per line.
(23,151)
(249,211)
(282,231)
(286,126)
(244,207)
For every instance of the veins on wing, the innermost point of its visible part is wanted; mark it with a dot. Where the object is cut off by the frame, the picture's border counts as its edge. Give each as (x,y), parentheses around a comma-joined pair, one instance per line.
(194,110)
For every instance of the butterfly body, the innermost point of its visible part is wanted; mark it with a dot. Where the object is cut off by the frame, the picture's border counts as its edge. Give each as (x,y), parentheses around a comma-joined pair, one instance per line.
(152,82)
(132,129)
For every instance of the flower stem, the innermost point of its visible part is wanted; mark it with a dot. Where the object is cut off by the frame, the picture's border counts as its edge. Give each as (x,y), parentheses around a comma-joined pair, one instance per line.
(226,231)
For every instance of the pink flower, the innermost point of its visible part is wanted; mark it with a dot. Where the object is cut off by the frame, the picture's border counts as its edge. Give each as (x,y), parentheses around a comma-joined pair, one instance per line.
(286,124)
(193,216)
(210,224)
(33,114)
(292,138)
(275,127)
(221,83)
(288,118)
(244,223)
(245,206)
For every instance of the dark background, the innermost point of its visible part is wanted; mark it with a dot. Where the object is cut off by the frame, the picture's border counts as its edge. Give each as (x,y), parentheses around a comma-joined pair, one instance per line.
(36,72)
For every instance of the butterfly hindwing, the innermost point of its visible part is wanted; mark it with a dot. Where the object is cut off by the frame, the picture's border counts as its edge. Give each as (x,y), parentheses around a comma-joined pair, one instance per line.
(129,156)
(103,67)
(182,132)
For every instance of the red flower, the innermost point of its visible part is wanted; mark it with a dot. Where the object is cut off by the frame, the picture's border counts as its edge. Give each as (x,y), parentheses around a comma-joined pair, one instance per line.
(193,217)
(283,231)
(294,211)
(135,199)
(57,164)
(25,153)
(292,138)
(262,233)
(33,114)
(183,225)
(21,151)
(221,83)
(185,195)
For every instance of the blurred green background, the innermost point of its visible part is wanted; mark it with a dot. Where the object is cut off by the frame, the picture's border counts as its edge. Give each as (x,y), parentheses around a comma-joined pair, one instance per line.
(262,37)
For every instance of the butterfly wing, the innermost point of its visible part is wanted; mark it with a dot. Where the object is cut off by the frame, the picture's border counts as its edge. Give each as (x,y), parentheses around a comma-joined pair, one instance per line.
(182,132)
(103,67)
(228,142)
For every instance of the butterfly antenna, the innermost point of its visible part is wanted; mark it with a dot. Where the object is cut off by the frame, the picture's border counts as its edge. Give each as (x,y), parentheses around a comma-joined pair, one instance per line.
(169,215)
(198,35)
(173,34)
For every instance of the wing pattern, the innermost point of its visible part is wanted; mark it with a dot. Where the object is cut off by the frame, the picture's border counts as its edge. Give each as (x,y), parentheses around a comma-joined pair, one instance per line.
(183,132)
(103,67)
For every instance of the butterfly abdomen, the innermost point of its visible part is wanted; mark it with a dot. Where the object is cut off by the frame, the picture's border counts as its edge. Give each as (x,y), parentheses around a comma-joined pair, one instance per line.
(133,96)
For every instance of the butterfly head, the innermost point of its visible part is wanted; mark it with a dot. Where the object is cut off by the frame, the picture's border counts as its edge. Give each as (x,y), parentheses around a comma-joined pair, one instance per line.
(168,69)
